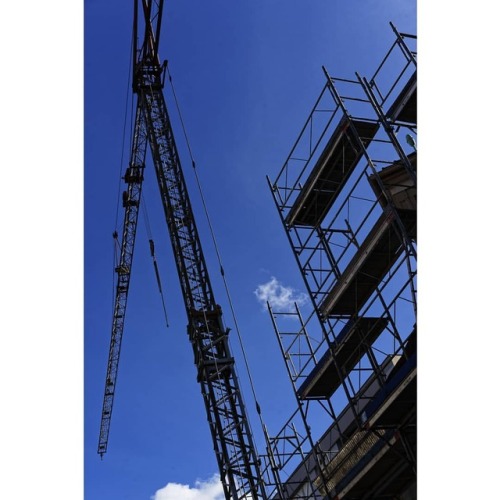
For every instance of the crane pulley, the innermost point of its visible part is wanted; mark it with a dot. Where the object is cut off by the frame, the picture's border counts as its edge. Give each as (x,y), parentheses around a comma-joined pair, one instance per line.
(236,456)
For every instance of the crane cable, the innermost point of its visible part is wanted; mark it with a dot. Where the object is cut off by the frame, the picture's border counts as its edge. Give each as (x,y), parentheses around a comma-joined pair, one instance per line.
(155,263)
(257,406)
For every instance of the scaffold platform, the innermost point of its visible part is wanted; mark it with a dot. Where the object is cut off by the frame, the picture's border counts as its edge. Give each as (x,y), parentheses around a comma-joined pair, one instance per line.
(375,257)
(348,348)
(336,163)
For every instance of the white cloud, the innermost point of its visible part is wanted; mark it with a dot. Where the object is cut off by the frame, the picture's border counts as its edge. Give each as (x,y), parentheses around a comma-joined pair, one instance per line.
(203,490)
(280,297)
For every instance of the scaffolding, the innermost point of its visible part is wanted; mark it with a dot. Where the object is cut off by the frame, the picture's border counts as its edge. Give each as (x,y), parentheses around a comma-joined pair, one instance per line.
(346,196)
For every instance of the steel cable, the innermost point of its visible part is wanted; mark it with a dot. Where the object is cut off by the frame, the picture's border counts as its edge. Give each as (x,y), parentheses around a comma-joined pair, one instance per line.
(212,233)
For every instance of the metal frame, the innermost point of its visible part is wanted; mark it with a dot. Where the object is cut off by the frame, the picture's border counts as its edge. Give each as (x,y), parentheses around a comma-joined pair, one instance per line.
(352,230)
(237,459)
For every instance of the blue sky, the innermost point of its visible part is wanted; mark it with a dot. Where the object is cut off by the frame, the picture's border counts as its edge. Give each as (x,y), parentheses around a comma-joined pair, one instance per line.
(246,75)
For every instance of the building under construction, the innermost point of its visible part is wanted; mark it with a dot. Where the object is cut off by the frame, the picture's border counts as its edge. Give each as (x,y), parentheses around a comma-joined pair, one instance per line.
(346,196)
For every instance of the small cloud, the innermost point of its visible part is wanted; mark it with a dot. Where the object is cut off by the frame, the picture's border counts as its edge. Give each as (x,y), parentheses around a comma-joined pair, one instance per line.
(280,297)
(203,490)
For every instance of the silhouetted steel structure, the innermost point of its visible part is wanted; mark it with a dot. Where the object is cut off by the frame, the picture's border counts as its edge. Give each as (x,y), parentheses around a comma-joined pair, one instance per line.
(237,460)
(346,195)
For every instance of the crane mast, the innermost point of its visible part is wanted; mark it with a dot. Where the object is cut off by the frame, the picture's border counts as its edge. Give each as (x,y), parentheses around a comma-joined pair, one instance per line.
(237,459)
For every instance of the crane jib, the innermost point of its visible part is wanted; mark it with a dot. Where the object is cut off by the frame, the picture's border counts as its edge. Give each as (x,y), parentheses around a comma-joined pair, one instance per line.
(237,459)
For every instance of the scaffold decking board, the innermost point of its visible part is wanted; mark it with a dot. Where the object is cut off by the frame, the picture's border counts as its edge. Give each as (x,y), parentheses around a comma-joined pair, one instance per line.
(333,168)
(404,107)
(349,347)
(376,255)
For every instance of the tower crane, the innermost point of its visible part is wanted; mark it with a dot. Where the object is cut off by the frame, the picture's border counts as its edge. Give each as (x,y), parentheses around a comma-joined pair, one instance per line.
(236,456)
